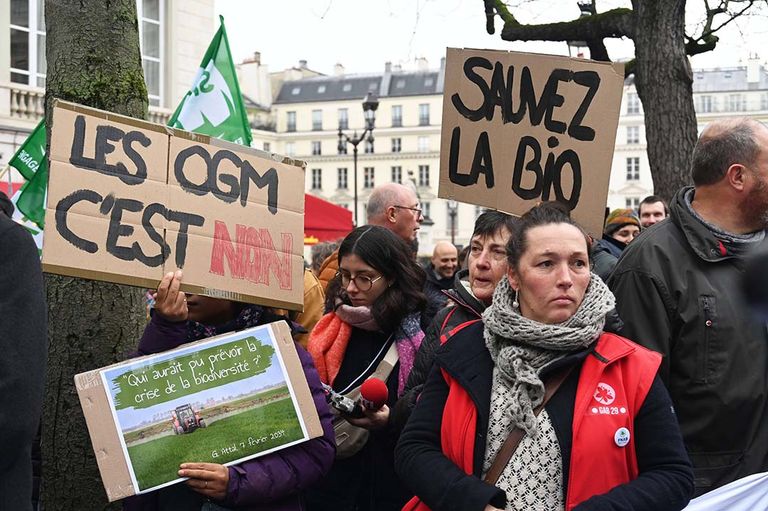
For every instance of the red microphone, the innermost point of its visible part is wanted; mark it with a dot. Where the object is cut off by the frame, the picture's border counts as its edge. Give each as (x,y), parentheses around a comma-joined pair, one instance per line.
(373,394)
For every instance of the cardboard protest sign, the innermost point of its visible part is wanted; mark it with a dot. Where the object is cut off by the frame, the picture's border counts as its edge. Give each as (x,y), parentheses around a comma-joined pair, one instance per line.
(521,128)
(130,200)
(222,400)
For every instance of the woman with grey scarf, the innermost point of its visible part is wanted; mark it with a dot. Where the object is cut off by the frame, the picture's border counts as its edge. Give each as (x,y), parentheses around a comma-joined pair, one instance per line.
(536,407)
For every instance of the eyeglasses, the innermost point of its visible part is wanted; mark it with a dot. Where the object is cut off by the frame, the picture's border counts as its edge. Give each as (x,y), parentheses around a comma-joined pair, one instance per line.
(417,210)
(362,282)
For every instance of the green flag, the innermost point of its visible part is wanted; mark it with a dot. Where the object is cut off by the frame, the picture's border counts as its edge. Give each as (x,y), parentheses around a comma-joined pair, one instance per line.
(31,198)
(214,105)
(31,154)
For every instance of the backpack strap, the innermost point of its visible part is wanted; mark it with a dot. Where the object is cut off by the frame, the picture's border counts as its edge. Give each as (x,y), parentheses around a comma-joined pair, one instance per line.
(444,337)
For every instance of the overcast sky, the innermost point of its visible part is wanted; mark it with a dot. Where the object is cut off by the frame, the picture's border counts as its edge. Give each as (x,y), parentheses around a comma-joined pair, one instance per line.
(364,34)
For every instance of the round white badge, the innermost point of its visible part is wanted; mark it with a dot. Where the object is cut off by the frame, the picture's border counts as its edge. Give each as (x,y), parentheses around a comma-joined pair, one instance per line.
(621,437)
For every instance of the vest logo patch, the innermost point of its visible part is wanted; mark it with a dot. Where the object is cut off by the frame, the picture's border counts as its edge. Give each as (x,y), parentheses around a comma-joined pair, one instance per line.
(604,394)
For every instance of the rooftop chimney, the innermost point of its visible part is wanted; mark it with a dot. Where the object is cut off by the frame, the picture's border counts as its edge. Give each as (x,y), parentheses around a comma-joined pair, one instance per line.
(422,64)
(302,64)
(753,68)
(338,69)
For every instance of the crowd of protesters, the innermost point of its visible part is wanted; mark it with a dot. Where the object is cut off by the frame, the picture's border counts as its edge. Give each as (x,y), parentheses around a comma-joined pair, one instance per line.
(537,368)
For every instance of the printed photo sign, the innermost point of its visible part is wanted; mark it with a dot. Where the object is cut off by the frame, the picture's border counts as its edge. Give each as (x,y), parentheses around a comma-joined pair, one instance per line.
(129,201)
(221,400)
(519,129)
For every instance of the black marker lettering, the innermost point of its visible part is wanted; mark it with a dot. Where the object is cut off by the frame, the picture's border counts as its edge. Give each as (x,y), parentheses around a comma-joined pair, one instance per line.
(591,80)
(62,209)
(484,110)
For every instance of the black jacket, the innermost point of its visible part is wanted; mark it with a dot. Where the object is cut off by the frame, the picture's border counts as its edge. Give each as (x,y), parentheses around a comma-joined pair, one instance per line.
(23,348)
(465,307)
(678,293)
(664,483)
(433,289)
(605,253)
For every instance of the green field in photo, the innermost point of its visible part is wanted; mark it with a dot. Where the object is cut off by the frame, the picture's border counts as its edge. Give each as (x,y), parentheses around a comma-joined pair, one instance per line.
(157,461)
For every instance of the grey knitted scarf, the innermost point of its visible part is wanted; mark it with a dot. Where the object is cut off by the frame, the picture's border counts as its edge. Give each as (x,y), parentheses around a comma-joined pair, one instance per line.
(521,347)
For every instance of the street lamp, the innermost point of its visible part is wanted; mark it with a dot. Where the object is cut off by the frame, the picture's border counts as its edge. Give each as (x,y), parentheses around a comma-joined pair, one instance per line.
(586,8)
(370,104)
(453,207)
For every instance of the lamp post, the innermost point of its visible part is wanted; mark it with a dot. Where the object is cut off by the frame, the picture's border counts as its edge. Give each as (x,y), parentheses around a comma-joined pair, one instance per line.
(586,8)
(370,104)
(453,207)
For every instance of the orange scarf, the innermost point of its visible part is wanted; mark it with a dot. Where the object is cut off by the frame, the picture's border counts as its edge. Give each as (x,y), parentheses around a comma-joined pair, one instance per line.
(327,345)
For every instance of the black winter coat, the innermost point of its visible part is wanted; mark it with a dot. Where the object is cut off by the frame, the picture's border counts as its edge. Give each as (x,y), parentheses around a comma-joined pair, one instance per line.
(23,348)
(677,291)
(465,307)
(664,483)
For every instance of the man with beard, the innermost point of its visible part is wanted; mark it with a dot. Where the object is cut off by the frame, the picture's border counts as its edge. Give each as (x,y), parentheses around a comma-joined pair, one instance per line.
(678,292)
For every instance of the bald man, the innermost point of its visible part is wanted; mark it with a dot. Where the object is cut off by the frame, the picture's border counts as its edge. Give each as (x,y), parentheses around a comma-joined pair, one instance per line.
(440,271)
(678,291)
(392,206)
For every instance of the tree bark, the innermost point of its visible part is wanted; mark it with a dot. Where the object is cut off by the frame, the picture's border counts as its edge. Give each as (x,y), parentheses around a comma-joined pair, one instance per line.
(92,50)
(664,84)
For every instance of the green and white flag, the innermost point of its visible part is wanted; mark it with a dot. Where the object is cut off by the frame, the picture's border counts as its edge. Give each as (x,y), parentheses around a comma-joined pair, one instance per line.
(214,105)
(31,154)
(29,201)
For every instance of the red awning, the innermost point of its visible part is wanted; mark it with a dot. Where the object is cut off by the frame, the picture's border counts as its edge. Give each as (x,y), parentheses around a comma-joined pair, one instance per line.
(15,187)
(324,221)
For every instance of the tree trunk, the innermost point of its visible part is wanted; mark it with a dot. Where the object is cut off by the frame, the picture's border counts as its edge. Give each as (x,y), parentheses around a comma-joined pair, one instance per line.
(92,50)
(664,84)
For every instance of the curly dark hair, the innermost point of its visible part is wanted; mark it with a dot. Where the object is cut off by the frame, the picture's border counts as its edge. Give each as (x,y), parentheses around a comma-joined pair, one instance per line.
(386,253)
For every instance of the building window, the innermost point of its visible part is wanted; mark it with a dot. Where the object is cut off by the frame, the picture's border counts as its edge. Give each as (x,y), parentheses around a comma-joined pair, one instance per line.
(296,91)
(633,134)
(397,116)
(346,87)
(317,120)
(397,174)
(290,121)
(27,42)
(150,16)
(397,145)
(705,104)
(423,175)
(633,103)
(737,103)
(343,119)
(368,177)
(764,101)
(341,180)
(317,179)
(369,146)
(426,209)
(423,144)
(479,210)
(342,147)
(290,148)
(400,84)
(316,148)
(424,114)
(633,168)
(266,146)
(321,89)
(632,202)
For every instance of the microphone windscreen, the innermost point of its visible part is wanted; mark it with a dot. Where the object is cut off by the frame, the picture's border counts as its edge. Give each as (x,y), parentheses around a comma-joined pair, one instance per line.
(374,393)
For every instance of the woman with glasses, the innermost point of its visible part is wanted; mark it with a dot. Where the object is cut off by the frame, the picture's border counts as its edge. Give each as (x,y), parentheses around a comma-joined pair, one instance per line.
(373,330)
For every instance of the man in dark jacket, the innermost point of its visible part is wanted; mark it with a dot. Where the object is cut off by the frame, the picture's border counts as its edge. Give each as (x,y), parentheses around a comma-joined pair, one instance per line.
(677,289)
(471,294)
(23,348)
(440,272)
